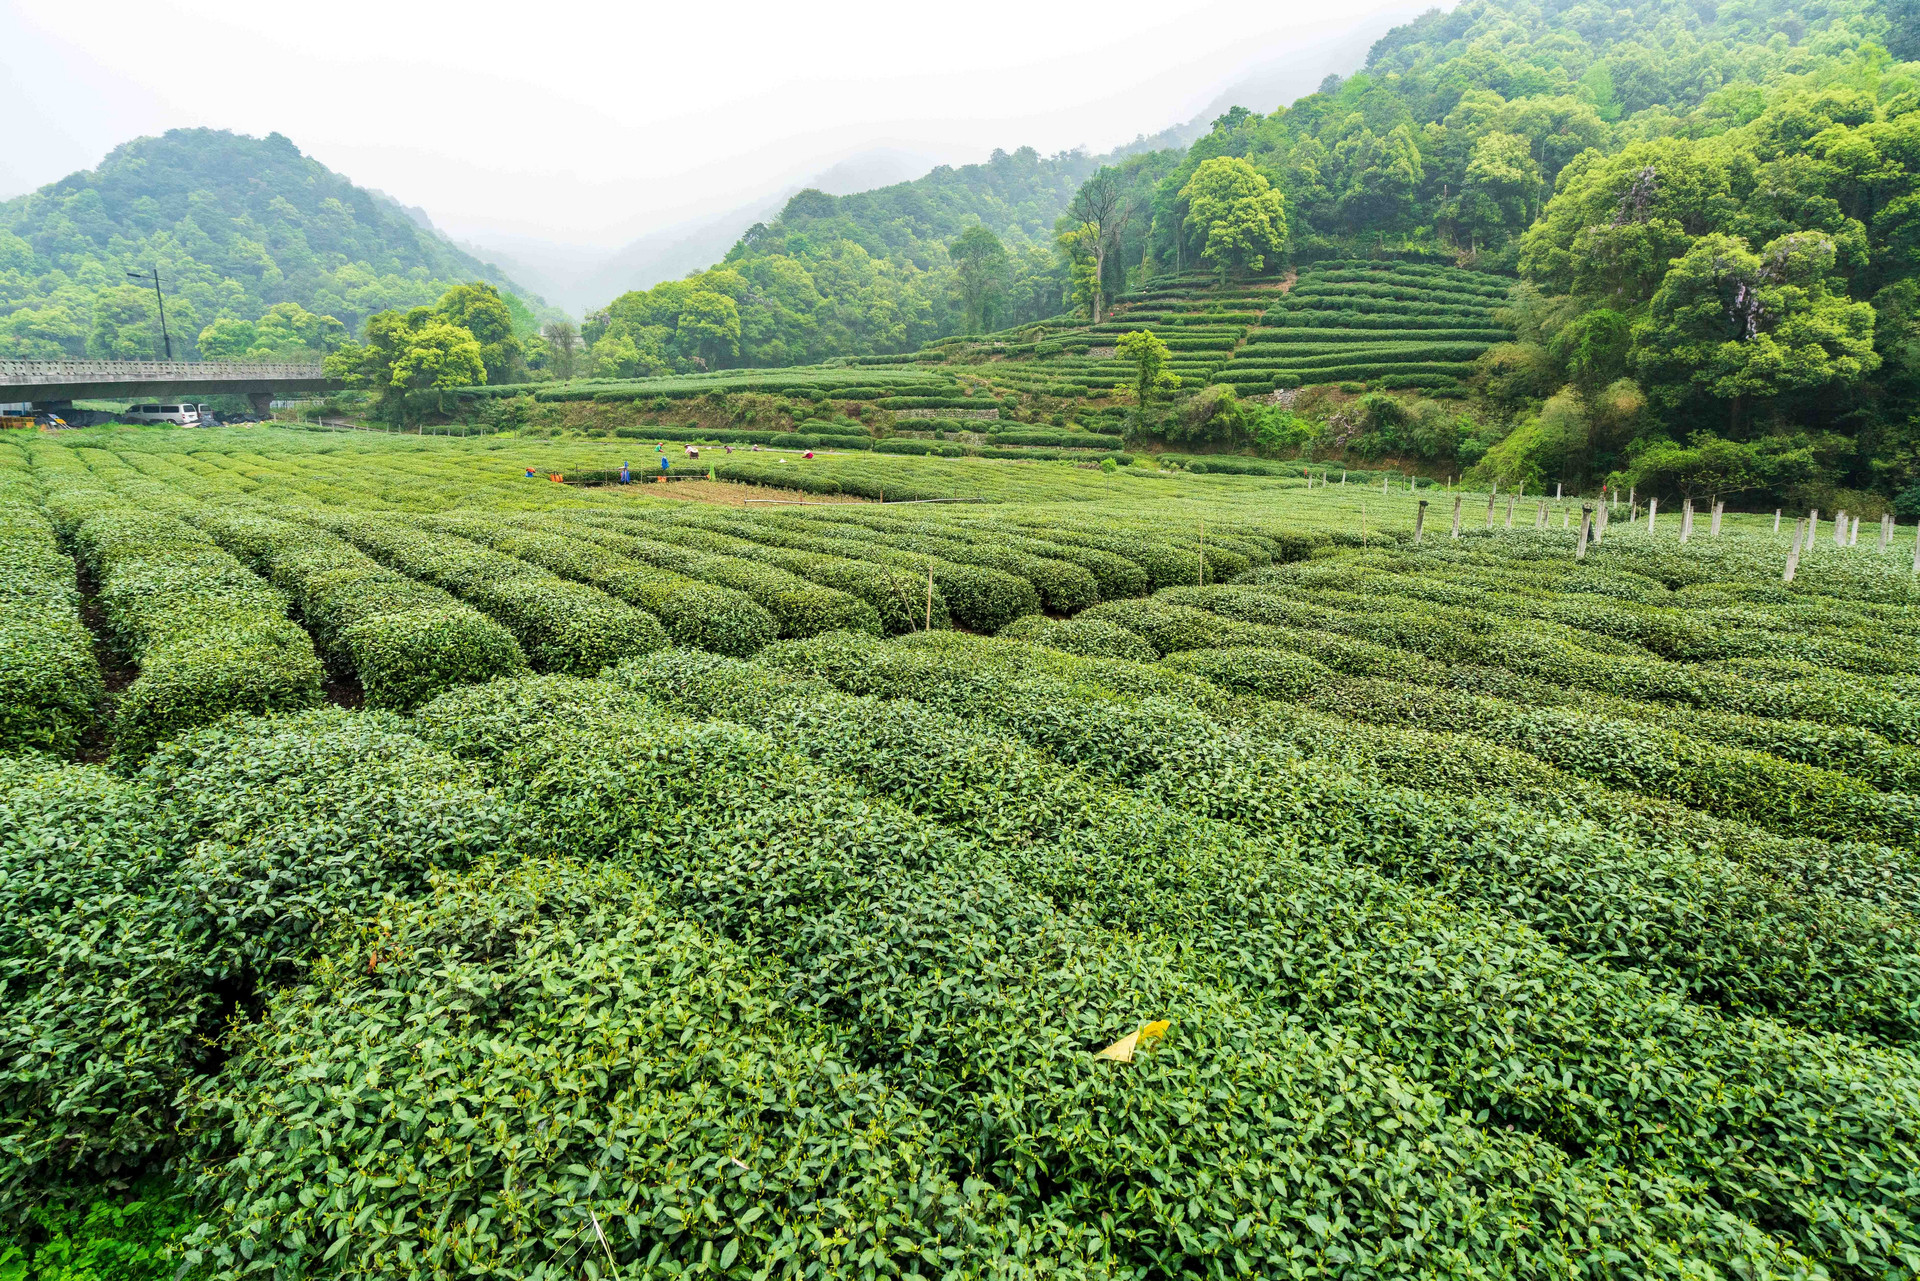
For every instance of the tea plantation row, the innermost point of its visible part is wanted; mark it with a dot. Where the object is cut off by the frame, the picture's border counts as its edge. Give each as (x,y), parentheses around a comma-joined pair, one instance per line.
(704,888)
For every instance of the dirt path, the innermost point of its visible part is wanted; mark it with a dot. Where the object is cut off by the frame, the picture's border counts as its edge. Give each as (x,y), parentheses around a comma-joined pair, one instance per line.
(729,493)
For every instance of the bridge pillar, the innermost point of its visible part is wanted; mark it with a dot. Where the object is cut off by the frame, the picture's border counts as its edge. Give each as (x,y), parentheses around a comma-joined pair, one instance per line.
(262,402)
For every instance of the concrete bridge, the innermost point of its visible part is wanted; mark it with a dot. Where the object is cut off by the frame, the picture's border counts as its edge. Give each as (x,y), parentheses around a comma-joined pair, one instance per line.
(55,384)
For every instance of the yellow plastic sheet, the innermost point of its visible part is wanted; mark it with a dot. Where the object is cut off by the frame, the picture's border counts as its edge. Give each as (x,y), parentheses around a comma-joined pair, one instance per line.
(1121,1051)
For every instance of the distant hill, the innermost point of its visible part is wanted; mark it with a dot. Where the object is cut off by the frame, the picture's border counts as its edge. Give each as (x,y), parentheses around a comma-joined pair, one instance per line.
(236,225)
(580,278)
(850,275)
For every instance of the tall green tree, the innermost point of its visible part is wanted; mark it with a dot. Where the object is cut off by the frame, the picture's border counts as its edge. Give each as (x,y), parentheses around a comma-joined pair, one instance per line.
(1238,215)
(478,308)
(980,271)
(1148,356)
(1098,219)
(563,346)
(1740,326)
(1075,243)
(1379,180)
(1500,188)
(411,351)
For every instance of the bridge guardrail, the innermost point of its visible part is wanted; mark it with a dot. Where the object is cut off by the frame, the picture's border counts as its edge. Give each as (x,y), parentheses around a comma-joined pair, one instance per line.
(50,372)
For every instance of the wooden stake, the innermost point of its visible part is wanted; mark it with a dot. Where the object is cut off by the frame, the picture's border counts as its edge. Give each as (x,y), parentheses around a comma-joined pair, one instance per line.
(1586,526)
(929,593)
(1456,515)
(1510,502)
(1203,551)
(1653,510)
(1800,537)
(1420,524)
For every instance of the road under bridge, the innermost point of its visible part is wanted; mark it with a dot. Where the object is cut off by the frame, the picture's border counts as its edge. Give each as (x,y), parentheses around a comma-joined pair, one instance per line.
(55,384)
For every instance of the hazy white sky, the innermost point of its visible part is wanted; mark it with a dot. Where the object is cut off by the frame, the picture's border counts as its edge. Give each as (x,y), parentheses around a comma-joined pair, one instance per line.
(594,122)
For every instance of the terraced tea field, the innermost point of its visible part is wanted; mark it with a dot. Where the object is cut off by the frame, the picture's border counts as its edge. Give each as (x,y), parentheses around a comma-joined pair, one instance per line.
(1398,326)
(437,869)
(1394,326)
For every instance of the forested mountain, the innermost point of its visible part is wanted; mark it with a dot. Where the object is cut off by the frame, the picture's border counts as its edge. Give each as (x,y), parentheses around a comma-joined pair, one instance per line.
(1449,139)
(835,275)
(242,229)
(1711,215)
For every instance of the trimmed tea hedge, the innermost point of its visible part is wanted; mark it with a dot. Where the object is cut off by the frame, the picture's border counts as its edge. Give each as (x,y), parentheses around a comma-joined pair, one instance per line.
(209,637)
(562,626)
(402,640)
(50,684)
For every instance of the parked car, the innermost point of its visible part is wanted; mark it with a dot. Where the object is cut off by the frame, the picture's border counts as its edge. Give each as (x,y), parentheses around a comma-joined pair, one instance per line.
(183,415)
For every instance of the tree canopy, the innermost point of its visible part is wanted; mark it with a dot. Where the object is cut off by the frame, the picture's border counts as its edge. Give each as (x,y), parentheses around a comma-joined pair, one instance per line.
(1236,213)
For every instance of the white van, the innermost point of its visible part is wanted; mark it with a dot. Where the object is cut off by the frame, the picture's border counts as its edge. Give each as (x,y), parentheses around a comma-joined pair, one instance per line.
(184,415)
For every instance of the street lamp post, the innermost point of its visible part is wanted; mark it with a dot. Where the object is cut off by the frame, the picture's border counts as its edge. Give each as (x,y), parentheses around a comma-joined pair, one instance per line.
(154,276)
